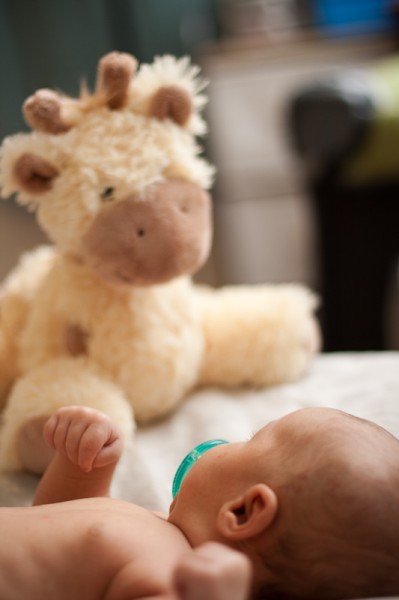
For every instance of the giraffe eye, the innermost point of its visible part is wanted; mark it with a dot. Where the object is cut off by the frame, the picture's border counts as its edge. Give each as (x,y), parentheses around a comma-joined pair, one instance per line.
(107,193)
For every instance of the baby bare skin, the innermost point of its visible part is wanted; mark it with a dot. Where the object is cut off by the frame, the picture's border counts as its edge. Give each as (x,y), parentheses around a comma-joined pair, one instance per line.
(226,516)
(77,543)
(91,549)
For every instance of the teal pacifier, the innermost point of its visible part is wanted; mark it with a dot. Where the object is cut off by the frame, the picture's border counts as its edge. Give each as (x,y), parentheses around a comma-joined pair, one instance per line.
(190,460)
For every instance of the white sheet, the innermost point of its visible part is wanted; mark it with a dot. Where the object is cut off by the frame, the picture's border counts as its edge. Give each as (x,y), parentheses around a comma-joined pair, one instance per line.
(364,384)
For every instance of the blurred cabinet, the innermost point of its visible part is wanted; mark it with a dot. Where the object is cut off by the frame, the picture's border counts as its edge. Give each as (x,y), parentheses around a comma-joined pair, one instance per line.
(264,227)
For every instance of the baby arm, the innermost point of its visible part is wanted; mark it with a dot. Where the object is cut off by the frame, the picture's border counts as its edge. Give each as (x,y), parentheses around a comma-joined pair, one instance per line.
(213,572)
(88,446)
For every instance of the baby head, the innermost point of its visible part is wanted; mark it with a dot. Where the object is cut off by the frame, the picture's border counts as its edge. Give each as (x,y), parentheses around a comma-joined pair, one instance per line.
(312,499)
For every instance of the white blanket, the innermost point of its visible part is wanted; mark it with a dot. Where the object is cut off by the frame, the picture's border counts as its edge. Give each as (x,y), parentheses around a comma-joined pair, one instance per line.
(364,384)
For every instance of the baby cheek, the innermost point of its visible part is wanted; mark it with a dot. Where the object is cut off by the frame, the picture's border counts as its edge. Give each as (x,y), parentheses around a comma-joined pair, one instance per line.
(200,484)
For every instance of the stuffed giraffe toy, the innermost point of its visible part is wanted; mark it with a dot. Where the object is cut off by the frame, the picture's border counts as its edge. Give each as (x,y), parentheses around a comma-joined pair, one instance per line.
(108,316)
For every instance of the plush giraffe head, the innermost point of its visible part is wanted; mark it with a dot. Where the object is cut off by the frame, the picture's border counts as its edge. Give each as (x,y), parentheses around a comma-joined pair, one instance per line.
(115,175)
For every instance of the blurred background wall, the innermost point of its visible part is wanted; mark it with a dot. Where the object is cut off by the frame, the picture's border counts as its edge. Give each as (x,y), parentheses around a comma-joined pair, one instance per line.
(308,181)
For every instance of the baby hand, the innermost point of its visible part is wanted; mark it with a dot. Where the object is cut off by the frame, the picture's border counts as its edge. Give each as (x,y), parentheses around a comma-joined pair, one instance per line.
(213,572)
(87,437)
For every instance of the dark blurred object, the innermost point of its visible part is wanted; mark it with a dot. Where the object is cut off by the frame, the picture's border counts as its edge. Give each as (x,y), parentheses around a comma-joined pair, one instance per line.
(344,134)
(304,10)
(359,247)
(330,118)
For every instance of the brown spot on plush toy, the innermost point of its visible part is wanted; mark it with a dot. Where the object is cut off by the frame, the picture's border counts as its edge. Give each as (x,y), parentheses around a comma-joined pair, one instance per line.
(76,340)
(118,184)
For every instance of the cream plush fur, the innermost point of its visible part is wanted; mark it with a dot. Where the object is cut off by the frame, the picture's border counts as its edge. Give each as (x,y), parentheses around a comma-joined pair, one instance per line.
(74,328)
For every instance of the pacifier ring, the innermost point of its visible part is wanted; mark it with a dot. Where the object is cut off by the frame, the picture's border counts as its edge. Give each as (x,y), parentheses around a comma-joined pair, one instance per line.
(190,460)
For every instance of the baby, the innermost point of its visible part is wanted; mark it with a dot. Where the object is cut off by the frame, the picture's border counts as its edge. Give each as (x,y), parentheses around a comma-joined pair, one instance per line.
(307,508)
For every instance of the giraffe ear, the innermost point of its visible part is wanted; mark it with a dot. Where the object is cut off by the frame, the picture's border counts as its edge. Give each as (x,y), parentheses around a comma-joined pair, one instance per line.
(171,102)
(34,174)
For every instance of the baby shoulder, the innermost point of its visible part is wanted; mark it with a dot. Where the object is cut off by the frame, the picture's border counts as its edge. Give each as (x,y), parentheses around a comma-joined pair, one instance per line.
(152,548)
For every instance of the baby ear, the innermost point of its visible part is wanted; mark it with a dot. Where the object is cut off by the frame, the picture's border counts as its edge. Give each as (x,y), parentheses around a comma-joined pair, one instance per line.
(249,514)
(34,174)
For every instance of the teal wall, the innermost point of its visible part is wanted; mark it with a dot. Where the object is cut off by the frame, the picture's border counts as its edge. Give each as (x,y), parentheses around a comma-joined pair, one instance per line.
(56,43)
